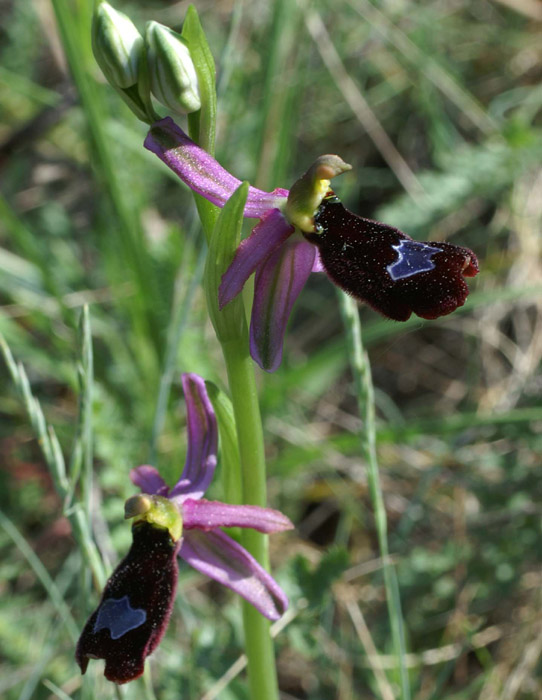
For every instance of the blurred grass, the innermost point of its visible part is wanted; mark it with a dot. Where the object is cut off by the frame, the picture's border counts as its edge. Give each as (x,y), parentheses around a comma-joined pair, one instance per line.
(456,88)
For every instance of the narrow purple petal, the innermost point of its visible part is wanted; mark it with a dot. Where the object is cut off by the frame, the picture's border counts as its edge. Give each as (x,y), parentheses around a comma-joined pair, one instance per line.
(278,283)
(208,515)
(218,556)
(268,235)
(202,440)
(148,479)
(201,172)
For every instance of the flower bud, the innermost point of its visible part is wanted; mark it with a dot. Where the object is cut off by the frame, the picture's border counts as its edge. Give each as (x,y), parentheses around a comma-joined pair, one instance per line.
(119,50)
(117,45)
(173,77)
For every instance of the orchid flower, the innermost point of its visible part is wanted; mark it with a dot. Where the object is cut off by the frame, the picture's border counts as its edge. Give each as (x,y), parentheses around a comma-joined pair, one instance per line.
(308,230)
(137,601)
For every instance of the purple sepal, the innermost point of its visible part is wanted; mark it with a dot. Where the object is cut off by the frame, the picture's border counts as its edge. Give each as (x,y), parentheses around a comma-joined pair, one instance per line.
(208,515)
(202,173)
(384,267)
(268,235)
(278,284)
(148,479)
(202,440)
(218,556)
(135,607)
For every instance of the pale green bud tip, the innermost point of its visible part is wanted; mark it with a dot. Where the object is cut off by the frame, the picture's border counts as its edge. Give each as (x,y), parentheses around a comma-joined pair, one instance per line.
(307,193)
(117,45)
(157,511)
(174,81)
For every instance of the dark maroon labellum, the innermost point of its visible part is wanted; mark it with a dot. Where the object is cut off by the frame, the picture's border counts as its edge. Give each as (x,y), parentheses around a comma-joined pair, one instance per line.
(135,607)
(384,267)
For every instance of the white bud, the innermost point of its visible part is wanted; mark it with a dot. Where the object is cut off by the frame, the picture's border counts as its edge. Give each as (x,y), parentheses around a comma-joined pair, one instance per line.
(173,77)
(117,45)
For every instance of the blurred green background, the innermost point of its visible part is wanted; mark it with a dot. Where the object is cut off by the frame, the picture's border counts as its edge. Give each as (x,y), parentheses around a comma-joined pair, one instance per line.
(437,105)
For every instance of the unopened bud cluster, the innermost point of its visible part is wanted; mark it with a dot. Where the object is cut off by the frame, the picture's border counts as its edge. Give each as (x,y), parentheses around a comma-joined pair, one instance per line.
(135,66)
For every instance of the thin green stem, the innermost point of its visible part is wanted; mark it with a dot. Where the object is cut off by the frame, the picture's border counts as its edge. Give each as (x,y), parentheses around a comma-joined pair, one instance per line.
(363,383)
(258,642)
(54,459)
(42,574)
(86,380)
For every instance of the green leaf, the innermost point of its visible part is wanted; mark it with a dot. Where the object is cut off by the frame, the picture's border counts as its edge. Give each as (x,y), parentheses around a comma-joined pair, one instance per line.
(229,323)
(202,124)
(229,448)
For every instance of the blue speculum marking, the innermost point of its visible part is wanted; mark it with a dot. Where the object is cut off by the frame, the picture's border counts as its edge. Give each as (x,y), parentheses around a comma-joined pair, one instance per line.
(414,257)
(118,616)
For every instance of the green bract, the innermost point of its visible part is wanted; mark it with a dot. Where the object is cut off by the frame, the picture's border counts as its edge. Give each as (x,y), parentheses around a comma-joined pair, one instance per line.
(173,77)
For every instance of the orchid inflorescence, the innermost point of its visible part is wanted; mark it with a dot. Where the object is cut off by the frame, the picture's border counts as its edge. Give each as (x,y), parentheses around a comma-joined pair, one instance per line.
(301,230)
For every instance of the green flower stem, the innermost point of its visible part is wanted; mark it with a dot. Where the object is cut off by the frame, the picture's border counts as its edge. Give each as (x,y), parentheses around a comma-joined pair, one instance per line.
(258,643)
(361,370)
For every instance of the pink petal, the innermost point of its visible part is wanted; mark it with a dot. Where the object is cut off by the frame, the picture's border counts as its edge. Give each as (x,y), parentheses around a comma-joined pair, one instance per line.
(148,479)
(202,440)
(268,235)
(202,173)
(208,515)
(278,284)
(218,556)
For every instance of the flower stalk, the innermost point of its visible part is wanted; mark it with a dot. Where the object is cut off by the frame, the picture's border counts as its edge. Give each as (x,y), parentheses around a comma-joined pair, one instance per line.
(262,673)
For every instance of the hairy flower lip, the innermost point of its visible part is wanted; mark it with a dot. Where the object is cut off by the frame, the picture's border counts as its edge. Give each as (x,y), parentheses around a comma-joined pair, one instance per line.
(386,268)
(135,607)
